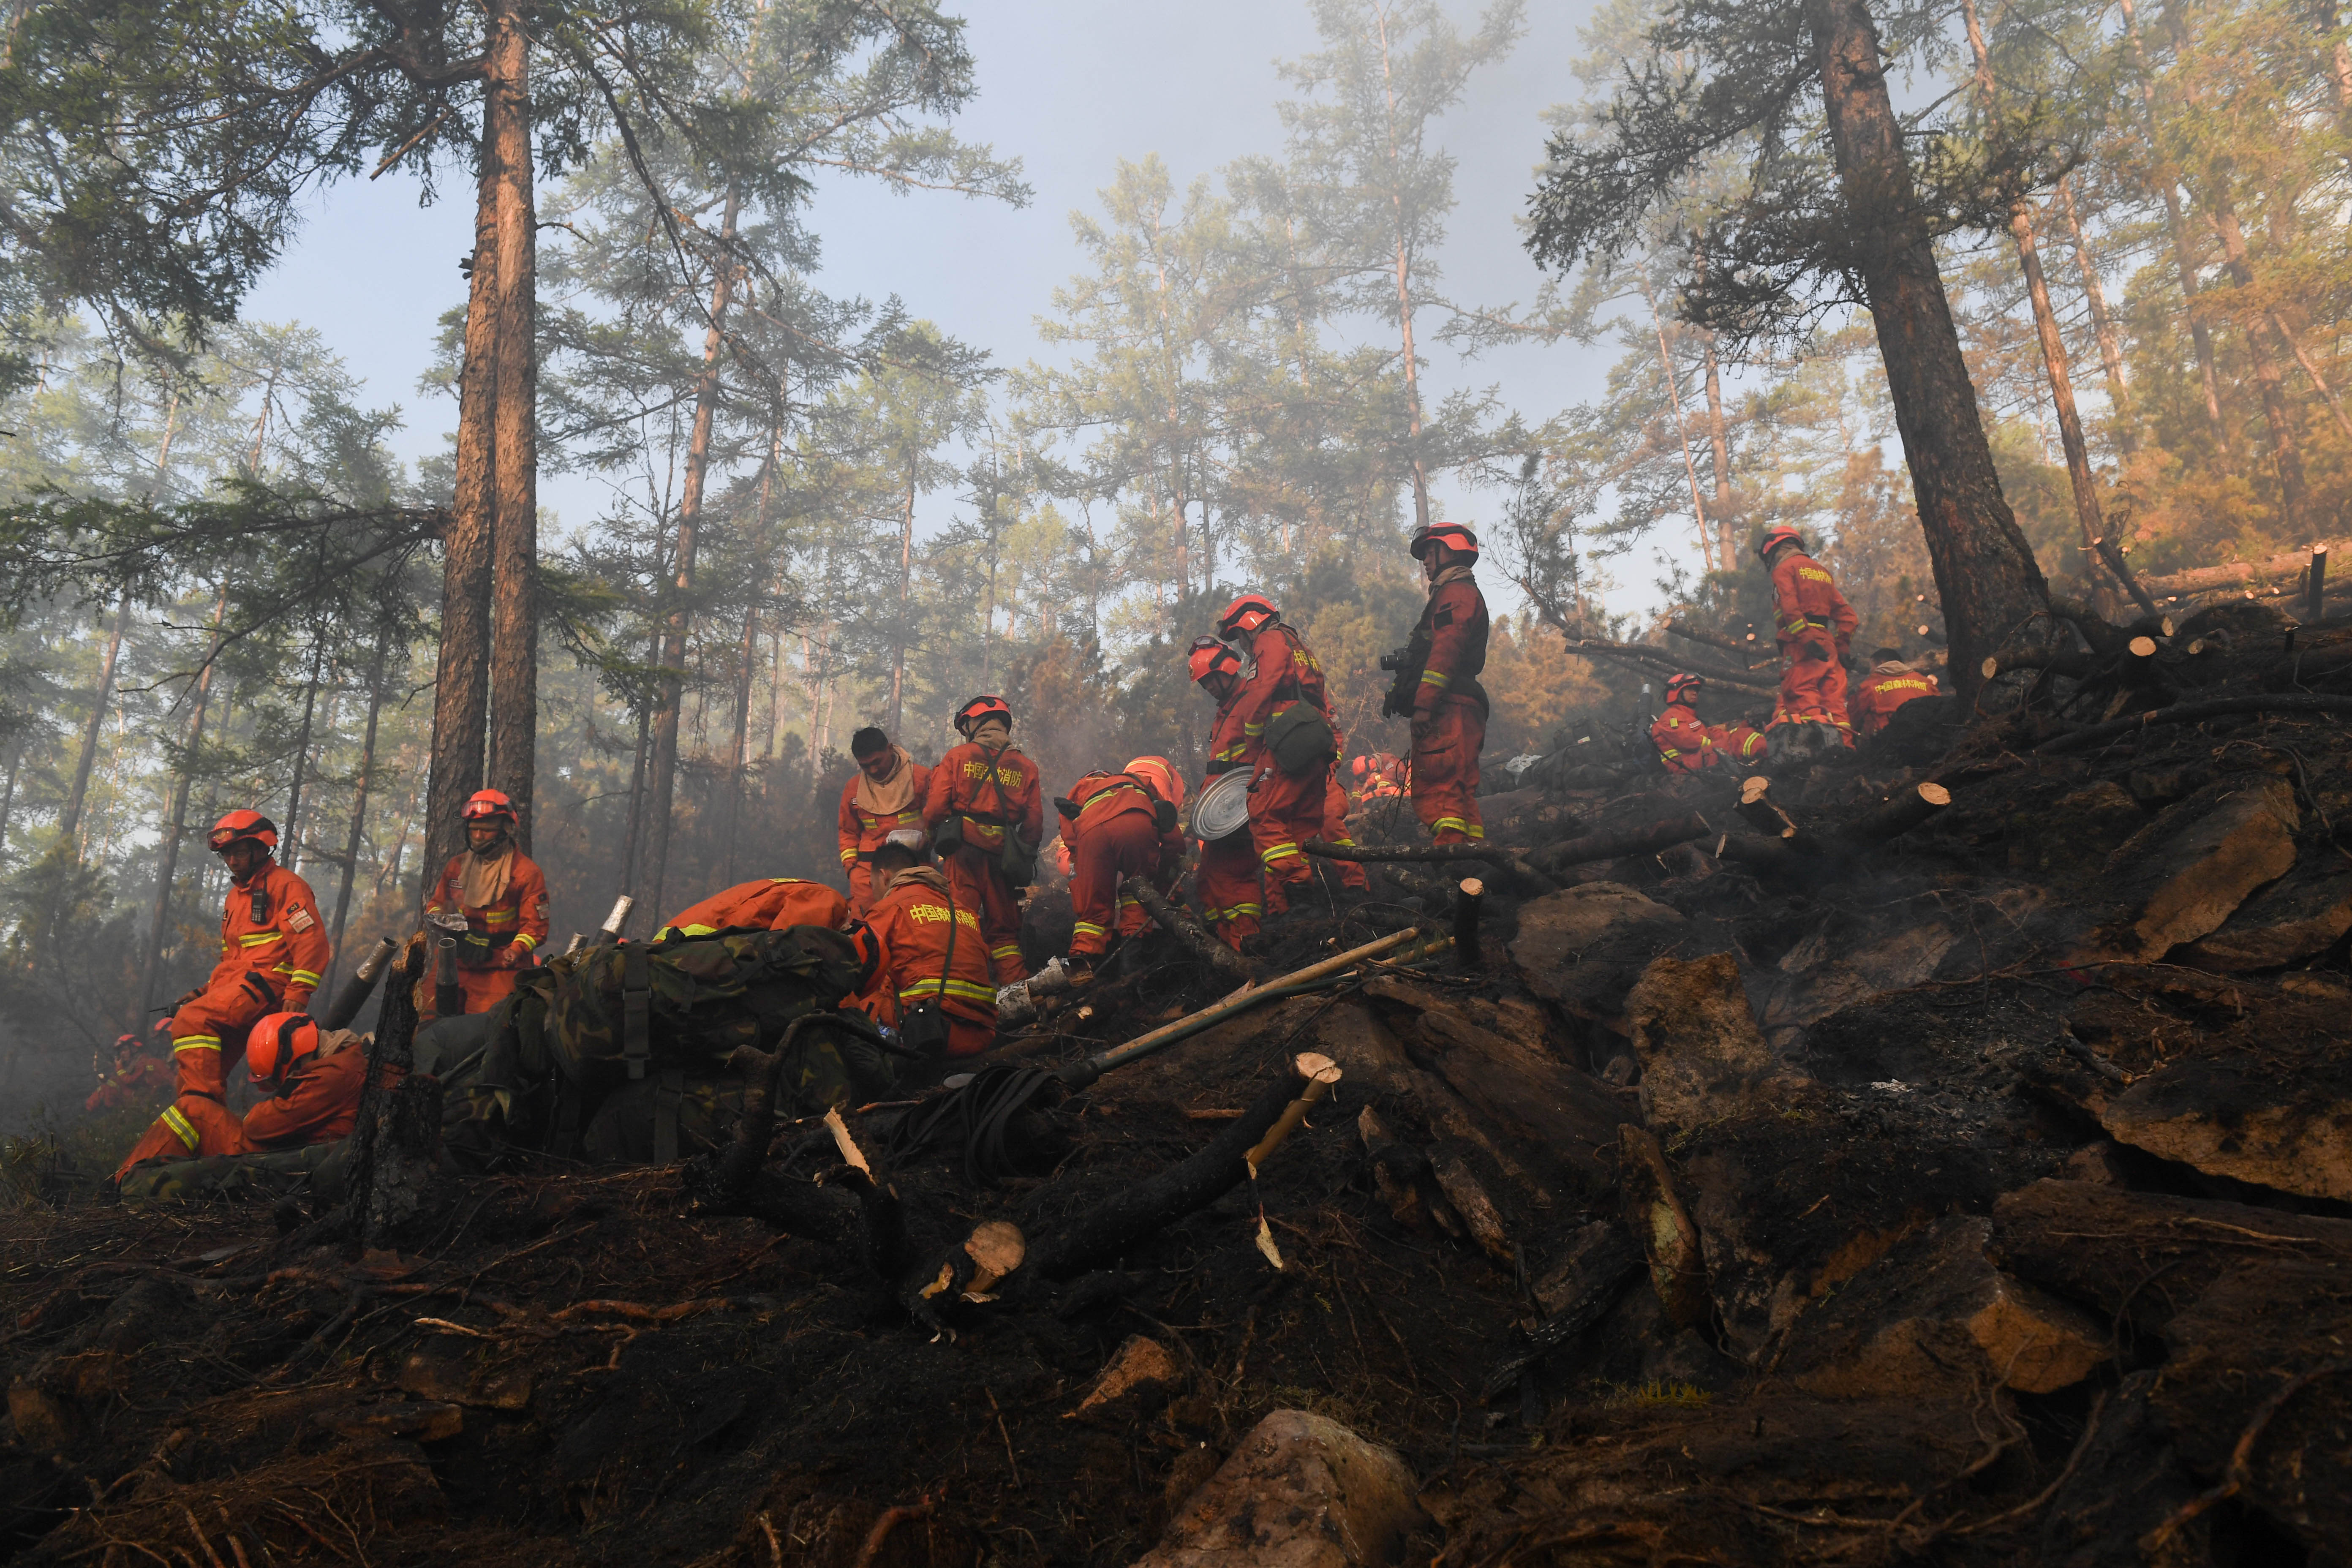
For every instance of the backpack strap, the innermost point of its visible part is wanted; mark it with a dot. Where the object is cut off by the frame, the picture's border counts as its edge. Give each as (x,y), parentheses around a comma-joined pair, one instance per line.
(636,1009)
(667,1094)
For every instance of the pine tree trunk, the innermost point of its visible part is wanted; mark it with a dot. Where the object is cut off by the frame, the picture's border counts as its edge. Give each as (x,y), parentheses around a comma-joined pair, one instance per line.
(292,843)
(360,785)
(2184,259)
(1404,289)
(689,529)
(905,585)
(1682,430)
(8,796)
(1723,513)
(461,683)
(1985,571)
(2103,326)
(69,823)
(2284,452)
(514,610)
(168,852)
(633,843)
(740,751)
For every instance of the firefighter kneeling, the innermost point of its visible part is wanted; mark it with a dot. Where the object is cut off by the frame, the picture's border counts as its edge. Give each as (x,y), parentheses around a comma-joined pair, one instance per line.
(935,951)
(1687,744)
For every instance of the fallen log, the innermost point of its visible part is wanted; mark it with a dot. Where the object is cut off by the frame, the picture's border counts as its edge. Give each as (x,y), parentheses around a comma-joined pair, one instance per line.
(1771,855)
(1140,1209)
(1594,1274)
(1646,839)
(2191,713)
(1745,650)
(2235,573)
(1467,897)
(1898,816)
(1761,812)
(2054,661)
(1191,934)
(1665,663)
(1511,862)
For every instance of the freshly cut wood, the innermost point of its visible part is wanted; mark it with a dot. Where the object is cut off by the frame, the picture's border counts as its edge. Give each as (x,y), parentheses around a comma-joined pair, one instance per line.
(1318,1073)
(2073,666)
(1142,1209)
(1761,811)
(1468,895)
(1195,937)
(1647,839)
(1898,816)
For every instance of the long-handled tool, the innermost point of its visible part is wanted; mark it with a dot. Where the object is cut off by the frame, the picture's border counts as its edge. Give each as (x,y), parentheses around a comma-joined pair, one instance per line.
(354,994)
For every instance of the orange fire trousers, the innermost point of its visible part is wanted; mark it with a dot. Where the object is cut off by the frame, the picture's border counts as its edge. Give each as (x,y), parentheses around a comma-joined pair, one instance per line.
(1446,772)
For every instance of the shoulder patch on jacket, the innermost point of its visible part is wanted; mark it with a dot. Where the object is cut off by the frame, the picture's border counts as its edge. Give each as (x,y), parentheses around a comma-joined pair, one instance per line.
(1444,617)
(298,919)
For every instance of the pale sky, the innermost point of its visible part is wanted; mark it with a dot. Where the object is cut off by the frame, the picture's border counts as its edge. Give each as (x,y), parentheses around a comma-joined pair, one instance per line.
(1070,87)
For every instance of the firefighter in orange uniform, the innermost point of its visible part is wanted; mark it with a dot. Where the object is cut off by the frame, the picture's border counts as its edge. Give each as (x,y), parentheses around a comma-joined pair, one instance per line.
(1376,776)
(887,794)
(1816,627)
(500,894)
(769,903)
(1889,685)
(1286,809)
(1226,880)
(979,796)
(932,945)
(312,1077)
(134,1079)
(1119,825)
(1687,744)
(1445,702)
(273,951)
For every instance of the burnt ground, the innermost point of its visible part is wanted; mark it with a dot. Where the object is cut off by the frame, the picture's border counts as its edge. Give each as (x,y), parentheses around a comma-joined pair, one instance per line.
(1983,1195)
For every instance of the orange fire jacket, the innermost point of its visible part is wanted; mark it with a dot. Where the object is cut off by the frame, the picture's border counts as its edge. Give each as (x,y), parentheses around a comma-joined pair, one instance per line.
(770,903)
(516,918)
(270,928)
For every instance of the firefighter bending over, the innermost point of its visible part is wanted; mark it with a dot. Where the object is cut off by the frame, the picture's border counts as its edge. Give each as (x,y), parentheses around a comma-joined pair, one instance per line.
(1889,685)
(939,985)
(1117,825)
(986,813)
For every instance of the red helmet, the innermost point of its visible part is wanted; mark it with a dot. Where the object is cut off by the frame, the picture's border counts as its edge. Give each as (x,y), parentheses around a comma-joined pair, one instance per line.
(969,716)
(1160,774)
(486,803)
(1681,686)
(1776,537)
(1361,766)
(1211,656)
(278,1042)
(242,824)
(1453,535)
(1248,614)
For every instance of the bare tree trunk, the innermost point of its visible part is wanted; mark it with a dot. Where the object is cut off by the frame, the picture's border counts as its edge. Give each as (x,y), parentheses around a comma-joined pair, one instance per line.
(514,625)
(906,585)
(69,823)
(1985,571)
(689,528)
(2053,344)
(1724,514)
(2284,452)
(361,782)
(293,840)
(1404,289)
(2168,183)
(633,844)
(461,685)
(2103,326)
(168,852)
(8,795)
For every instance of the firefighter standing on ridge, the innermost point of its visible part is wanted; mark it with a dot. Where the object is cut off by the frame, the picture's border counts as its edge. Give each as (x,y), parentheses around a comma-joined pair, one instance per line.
(885,794)
(273,951)
(1117,825)
(1687,744)
(500,894)
(1889,685)
(985,812)
(1437,685)
(1225,881)
(1816,628)
(1290,743)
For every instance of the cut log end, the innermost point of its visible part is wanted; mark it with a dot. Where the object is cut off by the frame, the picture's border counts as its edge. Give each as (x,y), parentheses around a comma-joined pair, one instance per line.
(1755,789)
(996,1248)
(1472,888)
(2145,646)
(1320,1071)
(851,1154)
(1934,794)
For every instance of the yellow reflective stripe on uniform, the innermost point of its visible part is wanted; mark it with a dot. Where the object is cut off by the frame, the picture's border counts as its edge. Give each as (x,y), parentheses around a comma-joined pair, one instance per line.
(1473,829)
(963,990)
(257,939)
(1278,852)
(497,917)
(1088,928)
(1253,729)
(303,977)
(1431,677)
(525,940)
(847,855)
(1010,950)
(196,1043)
(181,1127)
(1668,752)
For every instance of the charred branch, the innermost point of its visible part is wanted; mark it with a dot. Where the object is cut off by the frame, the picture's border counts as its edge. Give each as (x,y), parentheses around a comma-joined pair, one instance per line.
(2193,712)
(1646,839)
(1191,934)
(1511,862)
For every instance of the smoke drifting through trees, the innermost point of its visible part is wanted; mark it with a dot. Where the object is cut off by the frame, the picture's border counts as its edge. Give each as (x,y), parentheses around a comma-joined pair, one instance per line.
(829,511)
